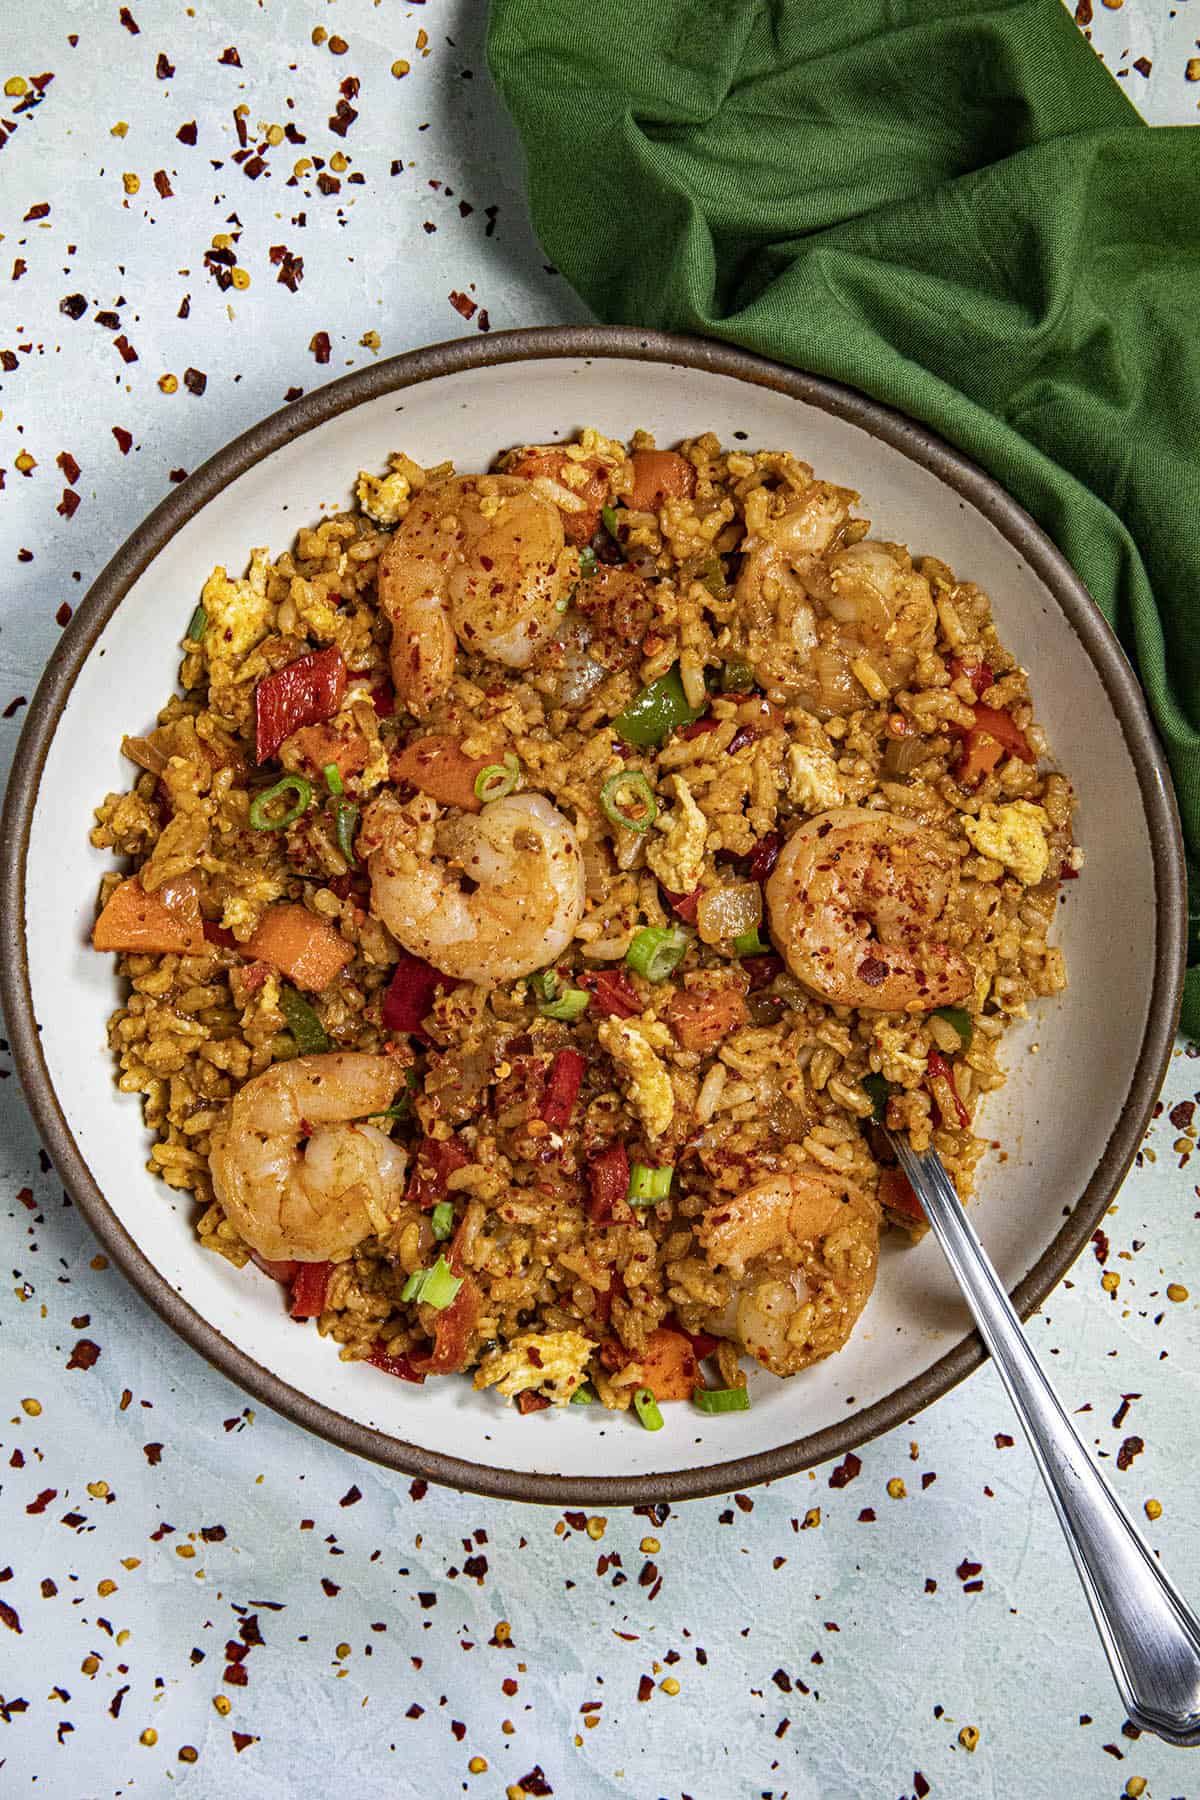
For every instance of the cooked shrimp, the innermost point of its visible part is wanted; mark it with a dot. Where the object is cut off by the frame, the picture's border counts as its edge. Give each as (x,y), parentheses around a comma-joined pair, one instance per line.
(300,1175)
(801,1249)
(522,860)
(875,617)
(771,592)
(857,905)
(477,561)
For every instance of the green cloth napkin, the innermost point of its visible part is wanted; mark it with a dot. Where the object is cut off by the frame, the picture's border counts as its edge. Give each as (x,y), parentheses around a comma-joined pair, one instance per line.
(947,205)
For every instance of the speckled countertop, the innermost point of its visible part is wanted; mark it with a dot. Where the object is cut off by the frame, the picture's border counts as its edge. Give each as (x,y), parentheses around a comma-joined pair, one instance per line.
(207,210)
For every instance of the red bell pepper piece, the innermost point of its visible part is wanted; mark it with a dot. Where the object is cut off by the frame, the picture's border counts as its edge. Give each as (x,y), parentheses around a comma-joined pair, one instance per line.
(434,1163)
(977,673)
(400,1366)
(278,1271)
(309,1286)
(939,1068)
(615,995)
(698,727)
(896,1194)
(684,906)
(608,1179)
(993,735)
(764,856)
(455,1323)
(562,1088)
(411,993)
(305,692)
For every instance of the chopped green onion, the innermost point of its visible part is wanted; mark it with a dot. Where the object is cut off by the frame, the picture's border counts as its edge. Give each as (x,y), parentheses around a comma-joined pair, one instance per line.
(646,1408)
(584,1394)
(260,820)
(748,943)
(657,711)
(545,984)
(333,778)
(497,780)
(398,1110)
(657,950)
(712,576)
(568,1006)
(197,625)
(442,1220)
(736,678)
(609,516)
(877,1090)
(719,1400)
(587,562)
(436,1286)
(960,1019)
(345,823)
(303,1023)
(628,800)
(647,1184)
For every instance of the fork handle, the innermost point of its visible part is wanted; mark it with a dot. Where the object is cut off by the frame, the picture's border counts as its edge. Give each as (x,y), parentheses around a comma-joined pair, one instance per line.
(1150,1635)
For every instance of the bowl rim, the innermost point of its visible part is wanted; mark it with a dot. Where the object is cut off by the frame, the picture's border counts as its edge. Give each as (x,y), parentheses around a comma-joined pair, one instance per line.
(589,343)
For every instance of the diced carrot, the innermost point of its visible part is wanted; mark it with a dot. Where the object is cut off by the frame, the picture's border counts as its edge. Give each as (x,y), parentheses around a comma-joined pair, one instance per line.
(701,1019)
(669,1367)
(550,463)
(153,924)
(993,735)
(659,475)
(321,745)
(439,766)
(304,948)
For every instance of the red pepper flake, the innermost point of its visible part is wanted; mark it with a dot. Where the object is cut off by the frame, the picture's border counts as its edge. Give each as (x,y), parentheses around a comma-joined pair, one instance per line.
(873,971)
(8,360)
(1133,1446)
(213,1534)
(1143,65)
(484,322)
(535,1783)
(331,1587)
(342,118)
(161,182)
(645,1688)
(242,1739)
(296,393)
(351,1497)
(163,68)
(320,346)
(1003,1441)
(614,992)
(63,615)
(69,466)
(14,706)
(10,1617)
(187,133)
(128,353)
(43,1500)
(920,1785)
(68,506)
(254,167)
(129,22)
(463,305)
(235,1676)
(153,1454)
(114,1705)
(867,1516)
(85,1355)
(74,305)
(195,381)
(177,475)
(328,184)
(20,266)
(531,1402)
(847,1471)
(928,1479)
(108,321)
(966,1571)
(230,57)
(1100,1247)
(124,439)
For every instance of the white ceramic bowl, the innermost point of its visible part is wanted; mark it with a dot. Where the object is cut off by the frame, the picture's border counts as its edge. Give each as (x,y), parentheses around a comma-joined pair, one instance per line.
(1069,1119)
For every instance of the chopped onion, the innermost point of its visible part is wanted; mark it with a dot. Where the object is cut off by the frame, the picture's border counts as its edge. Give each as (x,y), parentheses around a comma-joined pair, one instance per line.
(728,912)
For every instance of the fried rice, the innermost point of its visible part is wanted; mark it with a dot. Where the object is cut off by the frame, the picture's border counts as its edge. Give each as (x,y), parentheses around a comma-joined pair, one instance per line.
(790,852)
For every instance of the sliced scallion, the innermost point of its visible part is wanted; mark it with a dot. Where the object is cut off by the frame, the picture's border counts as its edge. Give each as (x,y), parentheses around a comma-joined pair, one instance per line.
(397,1110)
(608,515)
(498,780)
(545,984)
(587,562)
(712,576)
(646,1408)
(261,818)
(584,1395)
(441,1220)
(197,625)
(628,800)
(960,1020)
(345,824)
(302,1021)
(435,1286)
(721,1400)
(736,678)
(647,1184)
(657,950)
(748,943)
(568,1006)
(333,778)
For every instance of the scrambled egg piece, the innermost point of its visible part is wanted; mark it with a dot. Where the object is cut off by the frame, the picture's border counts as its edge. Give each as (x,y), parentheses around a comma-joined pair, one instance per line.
(1013,834)
(677,858)
(813,780)
(243,910)
(384,498)
(239,613)
(650,1090)
(902,1054)
(551,1362)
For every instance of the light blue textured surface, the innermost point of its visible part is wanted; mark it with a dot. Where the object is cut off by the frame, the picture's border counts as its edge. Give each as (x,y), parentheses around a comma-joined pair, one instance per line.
(816,1660)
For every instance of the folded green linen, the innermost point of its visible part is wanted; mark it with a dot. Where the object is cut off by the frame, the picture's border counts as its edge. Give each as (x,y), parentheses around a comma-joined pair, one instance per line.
(949,206)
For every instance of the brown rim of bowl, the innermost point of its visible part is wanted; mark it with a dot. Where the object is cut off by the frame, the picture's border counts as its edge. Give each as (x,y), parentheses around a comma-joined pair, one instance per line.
(592,342)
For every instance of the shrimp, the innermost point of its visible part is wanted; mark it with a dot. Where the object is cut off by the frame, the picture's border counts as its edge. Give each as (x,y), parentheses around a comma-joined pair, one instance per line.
(522,859)
(857,904)
(310,1201)
(875,617)
(479,562)
(801,1249)
(771,592)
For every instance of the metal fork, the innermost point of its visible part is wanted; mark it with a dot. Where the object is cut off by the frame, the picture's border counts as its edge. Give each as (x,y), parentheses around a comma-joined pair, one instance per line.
(1150,1635)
